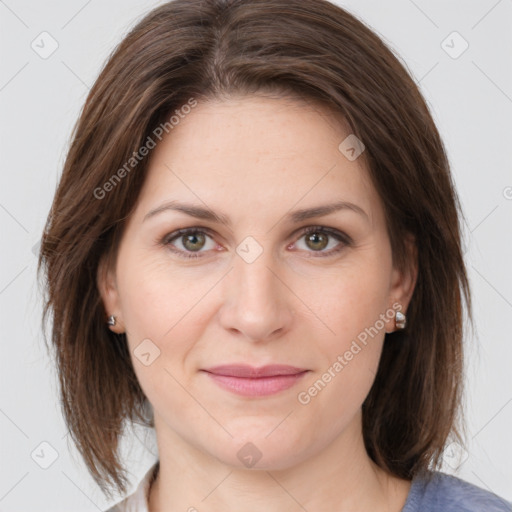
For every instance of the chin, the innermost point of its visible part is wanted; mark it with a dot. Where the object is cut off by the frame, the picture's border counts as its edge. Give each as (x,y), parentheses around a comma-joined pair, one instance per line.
(279,450)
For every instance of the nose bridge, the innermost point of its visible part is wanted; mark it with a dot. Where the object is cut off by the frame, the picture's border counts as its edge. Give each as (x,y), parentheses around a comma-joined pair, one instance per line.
(256,282)
(255,302)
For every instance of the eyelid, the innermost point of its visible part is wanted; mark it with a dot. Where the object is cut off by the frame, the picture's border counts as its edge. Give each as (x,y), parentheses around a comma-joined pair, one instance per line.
(325,229)
(187,231)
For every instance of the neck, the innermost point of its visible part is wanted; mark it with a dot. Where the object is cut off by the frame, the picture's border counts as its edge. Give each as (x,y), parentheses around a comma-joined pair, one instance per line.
(341,478)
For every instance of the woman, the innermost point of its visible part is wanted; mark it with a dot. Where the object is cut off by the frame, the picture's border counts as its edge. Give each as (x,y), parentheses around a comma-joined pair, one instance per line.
(257,239)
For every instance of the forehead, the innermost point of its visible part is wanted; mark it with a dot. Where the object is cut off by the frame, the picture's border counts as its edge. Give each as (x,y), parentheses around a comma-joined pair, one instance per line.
(265,151)
(260,126)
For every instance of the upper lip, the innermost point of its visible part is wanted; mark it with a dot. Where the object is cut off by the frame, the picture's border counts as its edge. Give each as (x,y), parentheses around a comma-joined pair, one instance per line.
(247,371)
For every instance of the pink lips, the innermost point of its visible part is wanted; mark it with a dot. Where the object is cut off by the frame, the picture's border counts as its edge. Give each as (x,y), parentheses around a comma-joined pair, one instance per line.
(249,381)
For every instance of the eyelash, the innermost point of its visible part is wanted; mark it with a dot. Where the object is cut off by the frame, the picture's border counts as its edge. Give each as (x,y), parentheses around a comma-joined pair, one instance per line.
(338,235)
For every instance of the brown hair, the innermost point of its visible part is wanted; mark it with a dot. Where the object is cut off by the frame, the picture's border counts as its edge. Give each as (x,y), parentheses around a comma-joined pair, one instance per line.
(206,49)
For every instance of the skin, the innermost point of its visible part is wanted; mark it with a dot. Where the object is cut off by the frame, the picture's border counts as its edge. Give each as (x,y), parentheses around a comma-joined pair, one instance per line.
(255,159)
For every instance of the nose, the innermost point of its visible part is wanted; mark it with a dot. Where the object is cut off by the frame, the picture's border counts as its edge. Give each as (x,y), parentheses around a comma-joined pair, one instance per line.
(257,302)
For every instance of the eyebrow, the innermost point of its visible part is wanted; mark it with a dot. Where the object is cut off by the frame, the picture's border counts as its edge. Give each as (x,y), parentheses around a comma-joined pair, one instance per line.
(296,216)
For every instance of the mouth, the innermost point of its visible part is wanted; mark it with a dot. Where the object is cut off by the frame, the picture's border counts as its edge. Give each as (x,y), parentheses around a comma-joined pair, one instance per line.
(247,380)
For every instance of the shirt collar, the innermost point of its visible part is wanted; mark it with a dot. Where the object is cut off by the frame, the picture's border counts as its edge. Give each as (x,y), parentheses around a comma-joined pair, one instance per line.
(138,500)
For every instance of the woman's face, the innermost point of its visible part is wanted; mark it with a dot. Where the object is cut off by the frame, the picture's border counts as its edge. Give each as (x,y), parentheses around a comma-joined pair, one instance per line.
(250,287)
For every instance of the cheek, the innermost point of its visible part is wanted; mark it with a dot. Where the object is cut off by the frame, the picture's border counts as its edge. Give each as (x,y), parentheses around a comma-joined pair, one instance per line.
(348,357)
(349,299)
(164,316)
(158,298)
(351,304)
(162,310)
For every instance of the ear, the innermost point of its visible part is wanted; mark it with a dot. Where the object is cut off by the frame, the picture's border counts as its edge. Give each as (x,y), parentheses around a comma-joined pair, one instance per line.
(403,280)
(107,287)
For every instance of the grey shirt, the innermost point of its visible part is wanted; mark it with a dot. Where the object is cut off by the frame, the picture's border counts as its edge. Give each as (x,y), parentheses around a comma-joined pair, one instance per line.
(439,492)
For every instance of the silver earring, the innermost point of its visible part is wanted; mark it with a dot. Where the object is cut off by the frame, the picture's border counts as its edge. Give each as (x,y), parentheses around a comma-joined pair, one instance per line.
(111,320)
(400,320)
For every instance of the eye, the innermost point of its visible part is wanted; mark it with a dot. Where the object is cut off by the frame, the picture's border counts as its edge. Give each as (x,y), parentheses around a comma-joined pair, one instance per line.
(189,242)
(192,240)
(318,238)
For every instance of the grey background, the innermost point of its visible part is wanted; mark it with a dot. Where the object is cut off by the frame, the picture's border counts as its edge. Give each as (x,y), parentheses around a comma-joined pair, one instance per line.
(471,99)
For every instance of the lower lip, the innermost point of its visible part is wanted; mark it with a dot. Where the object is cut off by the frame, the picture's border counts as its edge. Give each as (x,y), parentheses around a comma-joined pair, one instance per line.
(261,386)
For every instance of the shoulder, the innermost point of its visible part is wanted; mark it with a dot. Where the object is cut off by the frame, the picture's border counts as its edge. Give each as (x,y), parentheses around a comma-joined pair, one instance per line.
(435,491)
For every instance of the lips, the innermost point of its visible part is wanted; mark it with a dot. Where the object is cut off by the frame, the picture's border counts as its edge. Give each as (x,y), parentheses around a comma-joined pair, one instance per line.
(247,371)
(249,381)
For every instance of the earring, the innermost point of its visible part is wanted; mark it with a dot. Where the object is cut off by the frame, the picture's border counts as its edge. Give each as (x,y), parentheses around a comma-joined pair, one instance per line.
(400,320)
(111,320)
